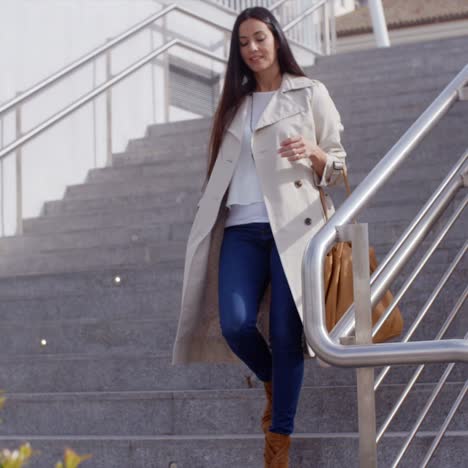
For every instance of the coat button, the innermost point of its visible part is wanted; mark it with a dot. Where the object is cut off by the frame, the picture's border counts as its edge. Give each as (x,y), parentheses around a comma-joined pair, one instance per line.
(298,183)
(308,221)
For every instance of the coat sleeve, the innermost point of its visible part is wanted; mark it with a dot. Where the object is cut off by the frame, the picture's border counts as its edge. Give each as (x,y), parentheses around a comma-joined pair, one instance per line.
(327,130)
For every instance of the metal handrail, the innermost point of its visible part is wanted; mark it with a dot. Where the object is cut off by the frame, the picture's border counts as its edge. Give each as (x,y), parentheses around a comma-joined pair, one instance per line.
(425,410)
(439,204)
(79,63)
(436,290)
(291,24)
(304,14)
(449,320)
(418,229)
(103,87)
(232,11)
(443,429)
(313,261)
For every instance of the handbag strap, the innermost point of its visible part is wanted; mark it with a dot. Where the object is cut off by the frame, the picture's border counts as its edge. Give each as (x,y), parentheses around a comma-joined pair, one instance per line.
(348,190)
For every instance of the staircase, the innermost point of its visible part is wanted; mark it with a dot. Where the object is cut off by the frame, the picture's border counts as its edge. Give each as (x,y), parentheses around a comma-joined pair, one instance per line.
(99,275)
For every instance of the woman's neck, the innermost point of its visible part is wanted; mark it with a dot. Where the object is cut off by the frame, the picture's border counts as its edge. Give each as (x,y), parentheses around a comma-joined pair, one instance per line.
(268,80)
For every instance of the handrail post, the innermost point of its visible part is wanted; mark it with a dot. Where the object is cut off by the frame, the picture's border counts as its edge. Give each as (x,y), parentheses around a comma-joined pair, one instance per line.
(167,89)
(359,237)
(326,28)
(379,24)
(2,182)
(109,108)
(226,44)
(19,173)
(332,28)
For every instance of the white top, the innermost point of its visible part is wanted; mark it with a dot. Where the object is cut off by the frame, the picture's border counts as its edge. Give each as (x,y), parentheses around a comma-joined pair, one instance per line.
(245,196)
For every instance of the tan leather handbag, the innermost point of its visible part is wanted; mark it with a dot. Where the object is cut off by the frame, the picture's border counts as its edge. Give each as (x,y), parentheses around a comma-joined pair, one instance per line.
(338,278)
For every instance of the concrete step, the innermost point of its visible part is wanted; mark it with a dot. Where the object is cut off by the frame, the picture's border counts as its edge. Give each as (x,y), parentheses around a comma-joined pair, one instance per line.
(389,232)
(373,140)
(179,127)
(386,109)
(368,91)
(420,70)
(156,169)
(141,294)
(360,159)
(93,336)
(237,450)
(381,210)
(408,115)
(59,315)
(408,173)
(107,236)
(397,54)
(350,106)
(387,135)
(165,255)
(113,217)
(371,129)
(110,371)
(141,320)
(144,231)
(151,154)
(125,203)
(149,215)
(394,102)
(395,106)
(212,411)
(187,177)
(103,280)
(135,302)
(171,142)
(363,157)
(402,100)
(136,334)
(147,186)
(358,168)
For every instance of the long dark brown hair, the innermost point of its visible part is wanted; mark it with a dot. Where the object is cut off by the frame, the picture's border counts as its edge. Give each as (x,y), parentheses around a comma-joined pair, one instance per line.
(240,79)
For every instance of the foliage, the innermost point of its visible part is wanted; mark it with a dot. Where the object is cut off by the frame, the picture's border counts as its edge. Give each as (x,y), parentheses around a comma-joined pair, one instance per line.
(17,458)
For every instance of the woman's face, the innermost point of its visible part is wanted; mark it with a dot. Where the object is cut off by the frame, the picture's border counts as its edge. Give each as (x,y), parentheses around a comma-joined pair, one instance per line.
(257,45)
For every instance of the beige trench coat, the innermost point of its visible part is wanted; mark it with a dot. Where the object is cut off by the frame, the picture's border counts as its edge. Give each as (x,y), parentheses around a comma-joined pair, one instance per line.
(301,106)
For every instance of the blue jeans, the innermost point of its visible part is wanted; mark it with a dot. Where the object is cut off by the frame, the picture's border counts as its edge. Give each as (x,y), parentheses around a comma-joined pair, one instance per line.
(248,260)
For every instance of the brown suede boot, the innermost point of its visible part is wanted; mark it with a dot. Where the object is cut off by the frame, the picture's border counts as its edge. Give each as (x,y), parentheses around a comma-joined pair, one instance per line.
(276,454)
(266,418)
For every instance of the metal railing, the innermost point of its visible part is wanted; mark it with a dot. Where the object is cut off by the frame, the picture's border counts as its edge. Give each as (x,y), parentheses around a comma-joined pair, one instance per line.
(16,103)
(386,353)
(318,33)
(339,347)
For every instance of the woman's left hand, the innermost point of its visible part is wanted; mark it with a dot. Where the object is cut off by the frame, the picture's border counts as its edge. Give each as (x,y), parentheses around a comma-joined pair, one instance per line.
(297,147)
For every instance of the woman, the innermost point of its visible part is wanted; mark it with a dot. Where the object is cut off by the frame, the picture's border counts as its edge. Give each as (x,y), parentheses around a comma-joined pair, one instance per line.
(274,141)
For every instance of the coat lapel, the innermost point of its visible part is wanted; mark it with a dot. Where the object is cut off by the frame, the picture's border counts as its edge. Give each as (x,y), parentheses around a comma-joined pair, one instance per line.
(280,106)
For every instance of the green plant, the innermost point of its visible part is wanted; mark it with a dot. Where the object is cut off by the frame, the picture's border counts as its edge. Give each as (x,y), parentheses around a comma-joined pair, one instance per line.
(17,458)
(72,459)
